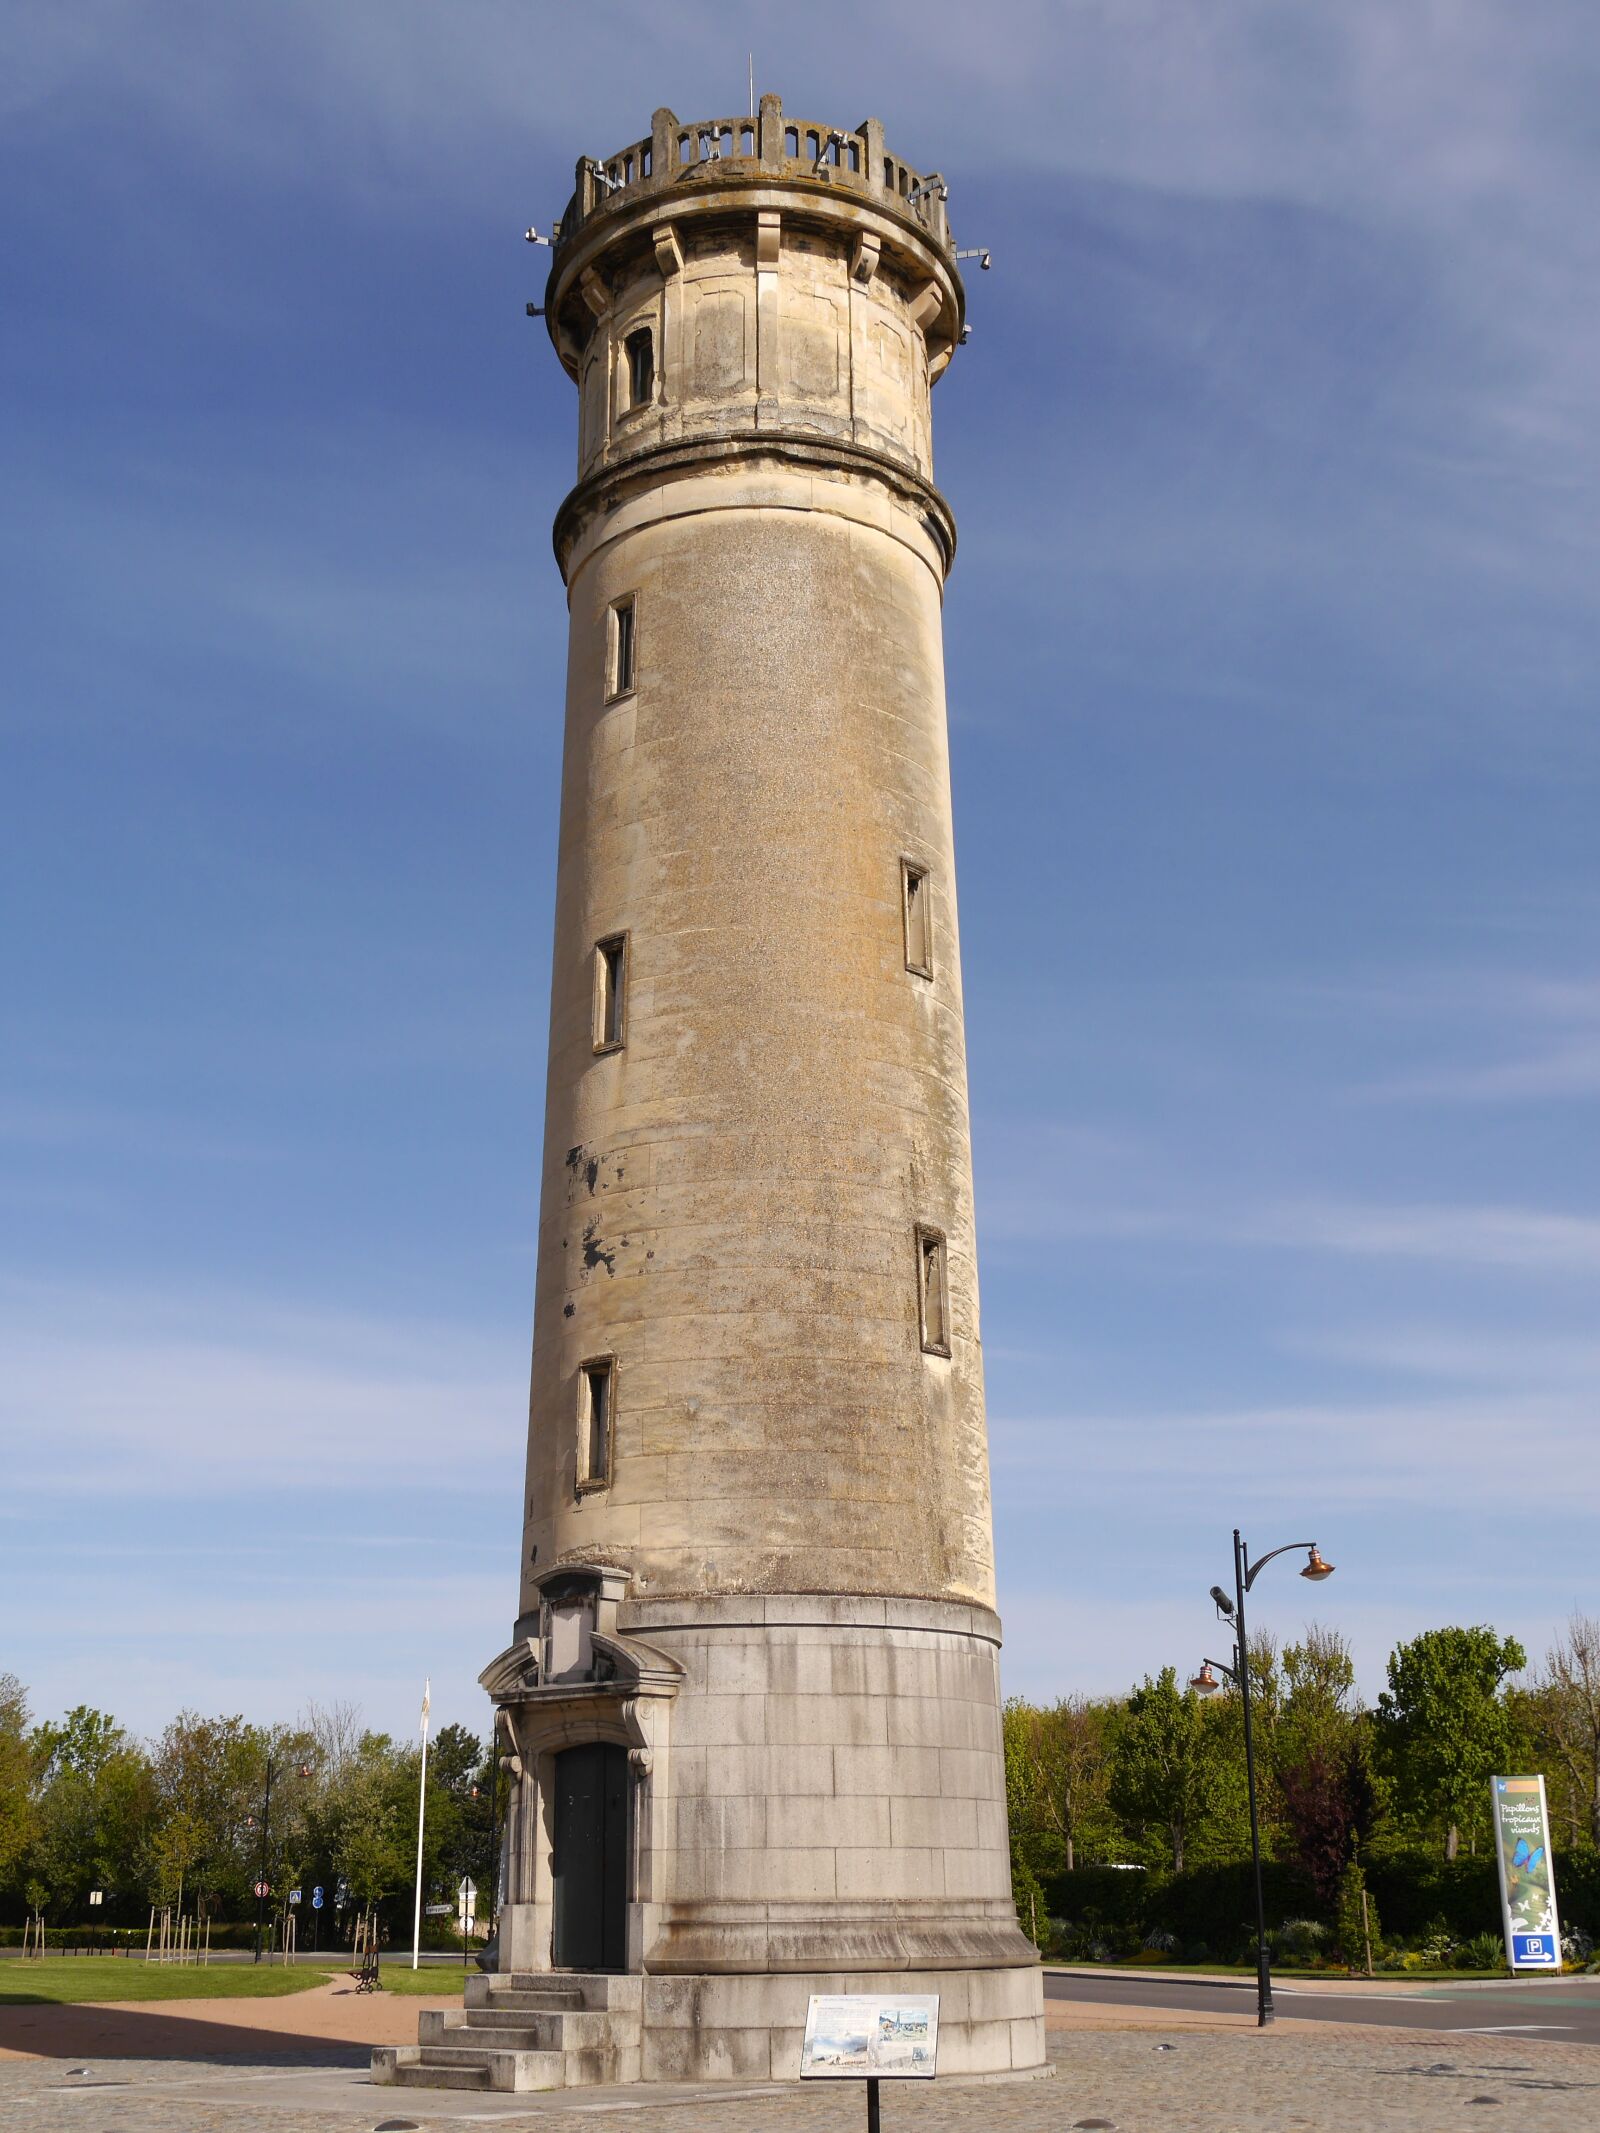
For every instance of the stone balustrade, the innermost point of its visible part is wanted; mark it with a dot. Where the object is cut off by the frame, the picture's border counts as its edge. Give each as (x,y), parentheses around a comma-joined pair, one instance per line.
(771,142)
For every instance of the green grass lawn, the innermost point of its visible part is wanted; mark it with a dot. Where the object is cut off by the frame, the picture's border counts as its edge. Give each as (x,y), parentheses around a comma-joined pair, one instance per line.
(104,1977)
(439,1980)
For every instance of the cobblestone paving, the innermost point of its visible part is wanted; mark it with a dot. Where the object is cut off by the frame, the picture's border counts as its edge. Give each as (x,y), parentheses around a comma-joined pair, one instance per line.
(1136,2082)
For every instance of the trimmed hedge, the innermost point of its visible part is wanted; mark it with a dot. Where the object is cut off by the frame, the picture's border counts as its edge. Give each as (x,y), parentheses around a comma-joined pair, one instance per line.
(1216,1904)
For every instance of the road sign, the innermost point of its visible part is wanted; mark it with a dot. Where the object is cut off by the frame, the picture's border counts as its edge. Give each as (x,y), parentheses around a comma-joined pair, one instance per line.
(294,1895)
(437,1910)
(97,1895)
(263,1888)
(316,1899)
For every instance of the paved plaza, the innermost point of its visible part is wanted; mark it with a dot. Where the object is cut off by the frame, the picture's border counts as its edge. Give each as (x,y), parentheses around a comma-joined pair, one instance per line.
(1137,2079)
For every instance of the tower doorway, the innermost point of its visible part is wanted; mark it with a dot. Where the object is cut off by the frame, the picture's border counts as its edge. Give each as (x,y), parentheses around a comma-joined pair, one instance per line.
(590,1858)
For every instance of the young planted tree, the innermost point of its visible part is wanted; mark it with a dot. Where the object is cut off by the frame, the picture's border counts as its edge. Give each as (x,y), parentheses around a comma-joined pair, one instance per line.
(1355,1919)
(1443,1726)
(175,1850)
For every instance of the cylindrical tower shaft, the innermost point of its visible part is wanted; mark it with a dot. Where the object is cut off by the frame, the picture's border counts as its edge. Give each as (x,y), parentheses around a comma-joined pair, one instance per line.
(757,1557)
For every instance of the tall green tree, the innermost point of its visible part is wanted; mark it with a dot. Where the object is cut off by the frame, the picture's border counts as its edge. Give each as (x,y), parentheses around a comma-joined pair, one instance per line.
(1063,1774)
(1570,1713)
(93,1812)
(1443,1726)
(211,1771)
(459,1780)
(1170,1764)
(1326,1799)
(16,1770)
(83,1743)
(372,1850)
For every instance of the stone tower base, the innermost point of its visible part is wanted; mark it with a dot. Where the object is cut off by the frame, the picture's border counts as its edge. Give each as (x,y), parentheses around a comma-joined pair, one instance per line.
(542,2030)
(750,2028)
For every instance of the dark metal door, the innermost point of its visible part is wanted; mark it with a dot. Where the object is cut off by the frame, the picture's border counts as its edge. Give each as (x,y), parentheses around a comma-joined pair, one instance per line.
(590,1858)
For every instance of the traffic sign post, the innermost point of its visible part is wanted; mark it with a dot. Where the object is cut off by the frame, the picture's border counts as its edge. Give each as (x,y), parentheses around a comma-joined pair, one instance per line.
(466,1912)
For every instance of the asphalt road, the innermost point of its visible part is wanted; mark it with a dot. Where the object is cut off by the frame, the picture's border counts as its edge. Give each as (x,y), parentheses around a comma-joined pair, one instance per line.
(1566,2010)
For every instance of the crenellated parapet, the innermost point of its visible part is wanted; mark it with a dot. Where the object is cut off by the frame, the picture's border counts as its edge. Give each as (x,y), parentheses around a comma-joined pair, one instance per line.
(754,282)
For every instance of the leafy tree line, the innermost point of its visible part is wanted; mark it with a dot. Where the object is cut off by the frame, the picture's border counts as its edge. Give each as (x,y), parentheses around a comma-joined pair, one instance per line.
(1156,1779)
(183,1819)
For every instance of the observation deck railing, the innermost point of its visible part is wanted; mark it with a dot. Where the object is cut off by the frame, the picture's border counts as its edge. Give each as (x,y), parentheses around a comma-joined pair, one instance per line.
(857,161)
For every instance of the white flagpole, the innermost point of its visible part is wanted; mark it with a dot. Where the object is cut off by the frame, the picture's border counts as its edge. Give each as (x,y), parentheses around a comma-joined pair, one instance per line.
(422,1803)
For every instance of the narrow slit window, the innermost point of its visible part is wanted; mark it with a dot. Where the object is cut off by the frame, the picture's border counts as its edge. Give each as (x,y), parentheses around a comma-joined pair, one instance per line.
(610,992)
(933,1291)
(623,633)
(641,354)
(596,1389)
(917,901)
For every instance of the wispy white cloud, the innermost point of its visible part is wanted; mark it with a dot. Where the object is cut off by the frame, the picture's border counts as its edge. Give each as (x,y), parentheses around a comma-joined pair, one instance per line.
(1515,1239)
(291,567)
(1465,1353)
(1355,1455)
(189,1395)
(1528,1240)
(1486,1035)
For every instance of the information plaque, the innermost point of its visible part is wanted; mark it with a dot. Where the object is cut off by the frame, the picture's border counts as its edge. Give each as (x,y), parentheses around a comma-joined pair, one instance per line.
(871,2037)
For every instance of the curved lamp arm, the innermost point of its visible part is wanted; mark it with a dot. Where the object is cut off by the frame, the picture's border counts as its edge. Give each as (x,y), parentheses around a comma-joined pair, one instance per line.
(1254,1570)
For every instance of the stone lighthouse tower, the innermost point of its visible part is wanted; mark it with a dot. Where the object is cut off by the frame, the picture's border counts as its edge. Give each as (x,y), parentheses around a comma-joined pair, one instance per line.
(751,1705)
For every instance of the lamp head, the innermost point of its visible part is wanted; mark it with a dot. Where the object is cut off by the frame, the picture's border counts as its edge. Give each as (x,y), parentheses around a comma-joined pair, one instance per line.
(1205,1683)
(1316,1569)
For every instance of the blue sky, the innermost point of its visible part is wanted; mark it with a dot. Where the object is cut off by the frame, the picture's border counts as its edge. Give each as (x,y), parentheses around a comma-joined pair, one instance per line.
(1271,648)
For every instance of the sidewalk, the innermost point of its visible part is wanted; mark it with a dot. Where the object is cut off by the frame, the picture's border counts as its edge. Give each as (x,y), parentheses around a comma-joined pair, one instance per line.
(1135,2081)
(303,2025)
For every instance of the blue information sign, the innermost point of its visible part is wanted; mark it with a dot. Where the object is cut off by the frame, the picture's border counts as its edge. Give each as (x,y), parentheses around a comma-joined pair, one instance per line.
(316,1899)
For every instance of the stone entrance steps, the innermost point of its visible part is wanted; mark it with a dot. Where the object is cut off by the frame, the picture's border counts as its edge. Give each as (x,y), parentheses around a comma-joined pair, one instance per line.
(522,2030)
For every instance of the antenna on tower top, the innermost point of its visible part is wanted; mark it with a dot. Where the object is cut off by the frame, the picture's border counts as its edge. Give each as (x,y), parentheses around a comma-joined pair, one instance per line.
(752,58)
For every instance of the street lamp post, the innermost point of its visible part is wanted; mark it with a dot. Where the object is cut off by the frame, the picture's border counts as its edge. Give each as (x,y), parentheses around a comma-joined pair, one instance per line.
(1205,1683)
